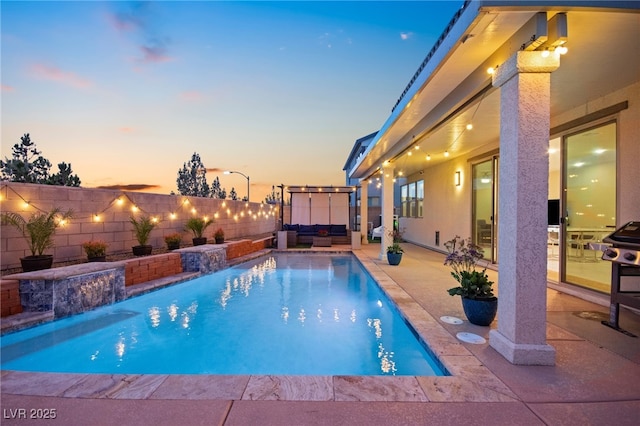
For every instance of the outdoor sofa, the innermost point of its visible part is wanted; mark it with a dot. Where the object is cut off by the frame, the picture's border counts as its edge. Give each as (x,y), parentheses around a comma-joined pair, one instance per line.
(304,234)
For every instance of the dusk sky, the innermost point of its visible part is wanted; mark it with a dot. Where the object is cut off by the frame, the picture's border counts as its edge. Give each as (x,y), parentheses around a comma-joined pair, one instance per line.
(127,91)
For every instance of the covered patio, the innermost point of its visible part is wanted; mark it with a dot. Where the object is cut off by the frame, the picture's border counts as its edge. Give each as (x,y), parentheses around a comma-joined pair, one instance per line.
(502,79)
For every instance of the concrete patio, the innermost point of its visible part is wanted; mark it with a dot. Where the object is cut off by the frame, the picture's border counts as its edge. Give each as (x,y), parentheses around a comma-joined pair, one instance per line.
(594,382)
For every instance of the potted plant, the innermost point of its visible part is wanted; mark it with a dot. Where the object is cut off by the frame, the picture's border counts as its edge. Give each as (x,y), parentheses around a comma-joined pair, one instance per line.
(219,236)
(478,301)
(394,251)
(142,228)
(96,250)
(173,241)
(38,231)
(197,226)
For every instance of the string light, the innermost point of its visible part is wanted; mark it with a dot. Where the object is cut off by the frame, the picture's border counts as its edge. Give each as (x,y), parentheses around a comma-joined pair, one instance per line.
(562,50)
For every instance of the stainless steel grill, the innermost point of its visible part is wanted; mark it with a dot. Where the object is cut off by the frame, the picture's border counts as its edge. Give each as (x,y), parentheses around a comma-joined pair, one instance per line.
(624,255)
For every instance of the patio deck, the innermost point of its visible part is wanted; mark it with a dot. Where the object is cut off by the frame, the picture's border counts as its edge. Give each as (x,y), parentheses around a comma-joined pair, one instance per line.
(594,381)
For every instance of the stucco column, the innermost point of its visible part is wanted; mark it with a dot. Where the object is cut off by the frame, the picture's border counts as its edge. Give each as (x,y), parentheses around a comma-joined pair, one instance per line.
(524,82)
(364,210)
(387,210)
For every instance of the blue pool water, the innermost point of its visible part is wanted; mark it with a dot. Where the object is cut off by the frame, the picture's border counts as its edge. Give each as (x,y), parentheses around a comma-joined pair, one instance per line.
(286,314)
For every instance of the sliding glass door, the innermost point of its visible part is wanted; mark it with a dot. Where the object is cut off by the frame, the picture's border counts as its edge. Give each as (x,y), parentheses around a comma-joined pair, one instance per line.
(589,205)
(484,207)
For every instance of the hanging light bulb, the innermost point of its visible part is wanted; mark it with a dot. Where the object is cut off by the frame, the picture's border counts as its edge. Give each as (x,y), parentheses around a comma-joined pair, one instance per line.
(469,126)
(428,157)
(446,153)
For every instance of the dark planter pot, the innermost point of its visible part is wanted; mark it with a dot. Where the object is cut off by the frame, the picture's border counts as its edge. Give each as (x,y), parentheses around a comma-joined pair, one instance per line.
(97,259)
(394,258)
(36,263)
(142,250)
(480,311)
(173,246)
(219,240)
(200,241)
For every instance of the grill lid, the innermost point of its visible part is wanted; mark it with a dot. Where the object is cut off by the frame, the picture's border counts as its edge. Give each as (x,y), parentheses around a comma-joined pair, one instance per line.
(627,236)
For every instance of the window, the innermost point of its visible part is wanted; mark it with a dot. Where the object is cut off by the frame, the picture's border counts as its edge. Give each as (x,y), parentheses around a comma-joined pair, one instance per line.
(411,197)
(420,197)
(404,200)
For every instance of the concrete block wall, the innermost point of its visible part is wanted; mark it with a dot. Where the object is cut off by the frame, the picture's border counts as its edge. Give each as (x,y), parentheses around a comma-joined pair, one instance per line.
(147,268)
(101,214)
(10,297)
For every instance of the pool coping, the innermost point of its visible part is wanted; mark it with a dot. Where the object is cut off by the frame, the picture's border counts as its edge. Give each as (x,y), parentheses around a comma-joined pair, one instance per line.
(470,380)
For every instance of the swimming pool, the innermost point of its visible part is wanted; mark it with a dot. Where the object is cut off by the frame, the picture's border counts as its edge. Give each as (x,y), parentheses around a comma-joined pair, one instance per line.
(286,314)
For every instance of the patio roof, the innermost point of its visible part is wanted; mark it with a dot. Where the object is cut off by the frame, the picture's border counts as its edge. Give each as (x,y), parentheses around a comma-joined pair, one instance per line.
(452,87)
(319,188)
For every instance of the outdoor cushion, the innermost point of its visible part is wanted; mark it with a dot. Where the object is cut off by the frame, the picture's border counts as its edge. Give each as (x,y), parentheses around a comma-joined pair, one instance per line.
(307,230)
(338,230)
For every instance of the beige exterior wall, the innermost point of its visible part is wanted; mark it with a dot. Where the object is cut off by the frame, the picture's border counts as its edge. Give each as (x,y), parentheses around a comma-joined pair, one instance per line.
(447,208)
(237,218)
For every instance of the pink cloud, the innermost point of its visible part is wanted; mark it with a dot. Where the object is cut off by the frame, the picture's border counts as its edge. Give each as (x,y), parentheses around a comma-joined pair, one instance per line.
(6,88)
(126,129)
(46,72)
(191,96)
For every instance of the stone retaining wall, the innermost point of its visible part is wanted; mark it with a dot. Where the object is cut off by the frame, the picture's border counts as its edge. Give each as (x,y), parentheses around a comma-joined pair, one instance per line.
(72,289)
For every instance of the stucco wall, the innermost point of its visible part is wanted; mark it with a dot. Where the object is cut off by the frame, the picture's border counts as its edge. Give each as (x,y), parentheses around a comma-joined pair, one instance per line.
(237,218)
(447,208)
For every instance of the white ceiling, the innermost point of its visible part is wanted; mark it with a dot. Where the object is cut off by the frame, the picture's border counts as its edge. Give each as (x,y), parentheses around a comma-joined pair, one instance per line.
(603,56)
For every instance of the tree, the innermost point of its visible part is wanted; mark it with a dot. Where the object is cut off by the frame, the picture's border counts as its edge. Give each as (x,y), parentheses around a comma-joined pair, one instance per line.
(233,195)
(27,164)
(273,198)
(215,188)
(64,177)
(192,178)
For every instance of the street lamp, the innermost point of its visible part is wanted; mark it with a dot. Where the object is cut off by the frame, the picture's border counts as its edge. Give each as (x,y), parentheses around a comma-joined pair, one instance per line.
(228,172)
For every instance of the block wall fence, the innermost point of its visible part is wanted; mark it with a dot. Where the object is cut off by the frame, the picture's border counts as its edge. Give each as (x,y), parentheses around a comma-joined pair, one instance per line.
(102,214)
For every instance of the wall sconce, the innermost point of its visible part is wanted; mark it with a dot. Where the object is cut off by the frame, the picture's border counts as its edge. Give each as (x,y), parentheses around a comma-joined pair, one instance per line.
(457,178)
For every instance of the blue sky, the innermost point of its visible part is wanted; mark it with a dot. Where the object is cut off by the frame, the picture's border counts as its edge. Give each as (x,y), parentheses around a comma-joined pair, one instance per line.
(127,91)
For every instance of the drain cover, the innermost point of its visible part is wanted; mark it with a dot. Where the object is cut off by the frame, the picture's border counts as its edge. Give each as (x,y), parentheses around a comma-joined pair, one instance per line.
(451,320)
(592,315)
(471,338)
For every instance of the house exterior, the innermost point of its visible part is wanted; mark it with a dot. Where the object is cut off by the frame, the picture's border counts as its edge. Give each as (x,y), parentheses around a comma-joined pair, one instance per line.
(521,131)
(373,189)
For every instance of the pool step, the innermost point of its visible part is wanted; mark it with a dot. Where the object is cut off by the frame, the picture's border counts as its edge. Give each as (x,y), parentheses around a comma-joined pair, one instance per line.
(23,320)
